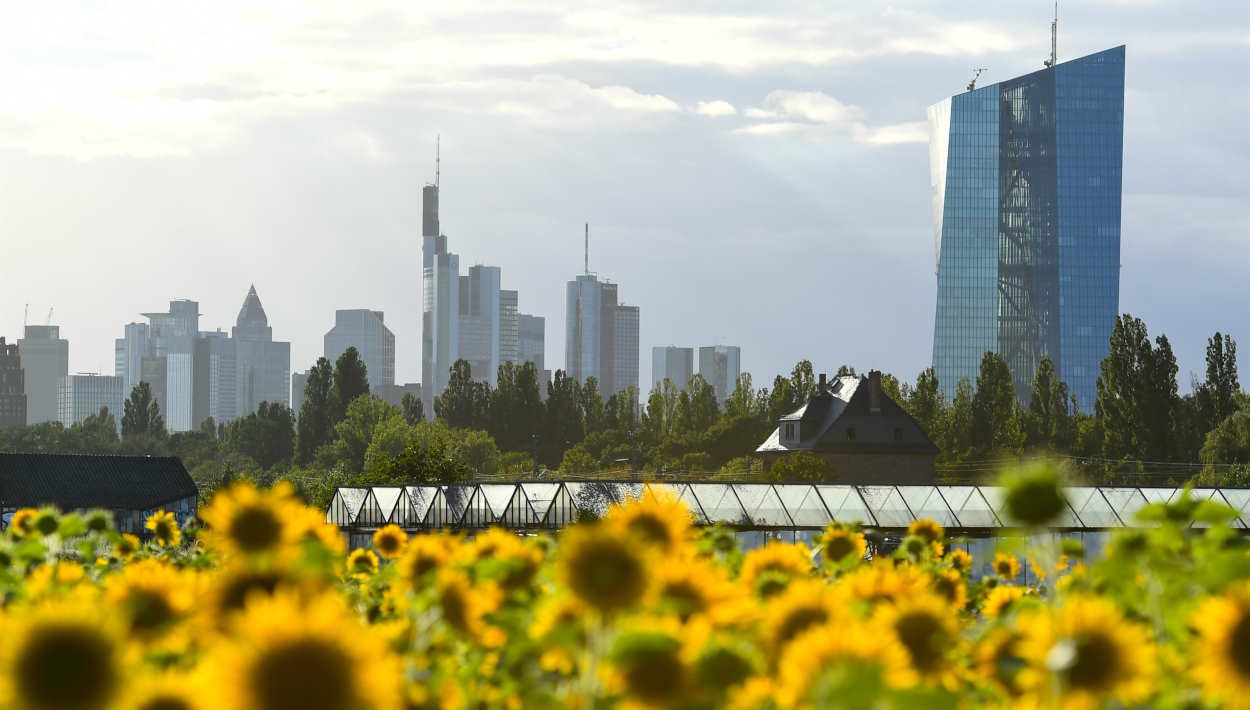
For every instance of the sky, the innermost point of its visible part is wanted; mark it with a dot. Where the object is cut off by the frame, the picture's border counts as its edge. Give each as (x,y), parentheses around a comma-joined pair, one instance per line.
(753,173)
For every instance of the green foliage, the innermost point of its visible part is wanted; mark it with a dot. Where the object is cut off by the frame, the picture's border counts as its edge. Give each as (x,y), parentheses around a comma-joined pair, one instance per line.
(351,380)
(1229,441)
(355,432)
(141,415)
(1137,394)
(464,403)
(414,411)
(800,467)
(479,453)
(1049,422)
(429,456)
(267,436)
(995,413)
(315,426)
(577,460)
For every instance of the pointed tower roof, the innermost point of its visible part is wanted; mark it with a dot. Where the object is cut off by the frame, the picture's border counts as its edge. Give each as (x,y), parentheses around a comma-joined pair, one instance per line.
(252,313)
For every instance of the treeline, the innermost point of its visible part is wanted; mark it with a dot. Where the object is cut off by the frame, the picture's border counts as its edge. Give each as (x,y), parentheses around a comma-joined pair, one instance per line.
(1141,425)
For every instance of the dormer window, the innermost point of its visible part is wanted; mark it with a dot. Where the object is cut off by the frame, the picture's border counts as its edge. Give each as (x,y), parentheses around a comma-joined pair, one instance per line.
(790,431)
(850,433)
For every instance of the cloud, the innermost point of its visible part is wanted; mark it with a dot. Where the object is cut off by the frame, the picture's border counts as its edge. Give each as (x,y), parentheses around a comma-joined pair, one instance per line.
(820,116)
(914,132)
(715,109)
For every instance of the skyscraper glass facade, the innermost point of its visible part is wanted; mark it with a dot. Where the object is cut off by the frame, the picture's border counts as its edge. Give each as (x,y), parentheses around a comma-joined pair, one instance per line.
(1026,179)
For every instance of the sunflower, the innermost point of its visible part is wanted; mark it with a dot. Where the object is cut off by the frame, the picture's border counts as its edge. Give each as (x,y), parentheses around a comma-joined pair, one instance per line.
(63,655)
(46,522)
(362,563)
(998,659)
(882,581)
(505,558)
(1000,600)
(126,546)
(802,605)
(151,597)
(54,579)
(926,528)
(925,625)
(1223,626)
(245,521)
(1006,566)
(769,569)
(647,664)
(389,541)
(424,554)
(949,584)
(839,543)
(166,691)
(463,605)
(599,566)
(23,521)
(960,560)
(719,660)
(658,520)
(1088,652)
(758,693)
(164,528)
(309,526)
(847,646)
(229,590)
(287,654)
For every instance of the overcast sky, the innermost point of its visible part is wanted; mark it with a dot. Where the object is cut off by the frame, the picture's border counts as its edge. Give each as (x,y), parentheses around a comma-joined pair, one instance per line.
(754,173)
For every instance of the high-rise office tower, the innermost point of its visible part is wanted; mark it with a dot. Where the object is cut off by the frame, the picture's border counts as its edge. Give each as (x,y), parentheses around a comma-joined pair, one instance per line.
(532,332)
(720,365)
(440,299)
(45,358)
(298,380)
(263,365)
(375,343)
(509,328)
(1026,178)
(12,387)
(216,378)
(83,395)
(129,352)
(592,345)
(479,322)
(169,365)
(671,363)
(625,350)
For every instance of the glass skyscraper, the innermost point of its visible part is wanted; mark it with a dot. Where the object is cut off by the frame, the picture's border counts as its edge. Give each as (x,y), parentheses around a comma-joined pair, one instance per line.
(1026,178)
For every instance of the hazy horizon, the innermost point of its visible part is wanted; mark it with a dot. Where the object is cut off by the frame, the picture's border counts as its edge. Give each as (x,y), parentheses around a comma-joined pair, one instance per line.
(755,177)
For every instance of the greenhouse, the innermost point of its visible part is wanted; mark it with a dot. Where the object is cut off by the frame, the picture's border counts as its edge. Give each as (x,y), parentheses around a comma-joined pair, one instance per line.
(970,511)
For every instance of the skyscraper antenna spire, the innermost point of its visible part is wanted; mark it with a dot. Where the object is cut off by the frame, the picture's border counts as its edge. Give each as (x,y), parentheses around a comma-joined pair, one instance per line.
(438,139)
(1054,38)
(586,263)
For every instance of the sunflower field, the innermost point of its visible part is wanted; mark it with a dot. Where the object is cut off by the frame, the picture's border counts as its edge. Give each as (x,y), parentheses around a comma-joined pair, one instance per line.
(262,607)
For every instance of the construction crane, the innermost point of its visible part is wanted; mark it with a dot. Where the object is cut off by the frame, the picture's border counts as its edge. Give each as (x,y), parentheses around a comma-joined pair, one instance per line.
(972,85)
(1054,39)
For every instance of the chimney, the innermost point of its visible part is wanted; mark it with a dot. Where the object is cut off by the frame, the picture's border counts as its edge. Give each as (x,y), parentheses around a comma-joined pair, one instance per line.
(823,384)
(874,391)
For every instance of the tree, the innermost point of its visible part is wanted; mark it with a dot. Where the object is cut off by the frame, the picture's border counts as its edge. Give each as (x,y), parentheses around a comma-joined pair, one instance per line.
(563,425)
(428,456)
(995,414)
(465,402)
(98,432)
(515,407)
(414,411)
(1217,395)
(591,402)
(803,379)
(1137,394)
(959,425)
(479,453)
(267,435)
(355,432)
(315,426)
(926,404)
(1049,422)
(577,460)
(1229,441)
(351,380)
(141,415)
(800,467)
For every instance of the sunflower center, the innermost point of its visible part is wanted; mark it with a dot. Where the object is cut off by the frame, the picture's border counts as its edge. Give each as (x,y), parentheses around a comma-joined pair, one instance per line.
(149,610)
(163,529)
(65,667)
(303,673)
(238,589)
(655,676)
(721,667)
(947,587)
(798,620)
(921,635)
(607,575)
(255,529)
(1239,645)
(1094,665)
(165,702)
(388,544)
(650,529)
(1003,568)
(455,607)
(837,548)
(685,598)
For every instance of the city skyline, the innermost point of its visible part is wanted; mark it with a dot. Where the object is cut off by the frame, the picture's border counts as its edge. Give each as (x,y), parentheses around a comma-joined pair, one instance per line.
(795,145)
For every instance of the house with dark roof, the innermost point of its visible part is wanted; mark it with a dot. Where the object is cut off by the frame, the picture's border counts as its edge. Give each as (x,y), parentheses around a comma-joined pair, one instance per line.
(863,434)
(132,487)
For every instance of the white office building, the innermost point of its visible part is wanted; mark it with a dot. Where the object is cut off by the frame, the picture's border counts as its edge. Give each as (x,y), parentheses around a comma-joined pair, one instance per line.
(672,363)
(80,396)
(720,365)
(479,322)
(365,331)
(45,360)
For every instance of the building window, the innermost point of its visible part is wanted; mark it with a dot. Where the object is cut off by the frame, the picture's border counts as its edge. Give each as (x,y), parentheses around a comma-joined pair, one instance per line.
(789,430)
(850,433)
(898,434)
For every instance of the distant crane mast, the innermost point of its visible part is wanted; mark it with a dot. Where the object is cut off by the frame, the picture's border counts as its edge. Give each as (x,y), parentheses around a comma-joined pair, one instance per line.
(586,258)
(972,85)
(1054,39)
